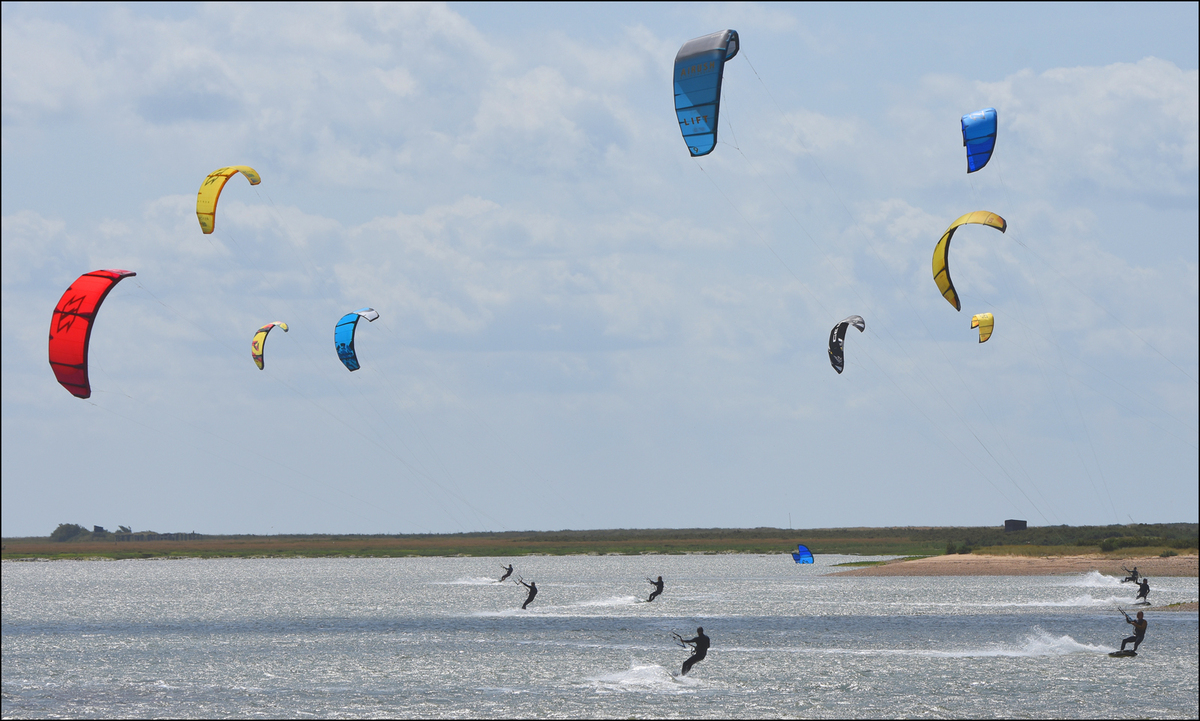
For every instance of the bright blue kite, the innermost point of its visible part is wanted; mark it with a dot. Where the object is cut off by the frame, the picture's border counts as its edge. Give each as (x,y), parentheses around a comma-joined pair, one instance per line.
(699,66)
(343,335)
(802,554)
(979,137)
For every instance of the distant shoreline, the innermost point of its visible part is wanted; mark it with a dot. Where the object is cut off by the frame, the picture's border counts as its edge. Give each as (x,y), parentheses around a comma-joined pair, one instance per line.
(963,543)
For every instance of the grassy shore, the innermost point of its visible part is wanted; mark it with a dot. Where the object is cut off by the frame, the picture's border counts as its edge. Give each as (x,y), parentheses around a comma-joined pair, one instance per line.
(863,541)
(554,543)
(1041,551)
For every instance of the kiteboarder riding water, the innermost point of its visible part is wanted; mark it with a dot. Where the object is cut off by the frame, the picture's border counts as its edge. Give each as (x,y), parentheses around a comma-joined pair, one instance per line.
(1133,575)
(1139,631)
(532,586)
(658,586)
(507,573)
(1144,590)
(700,650)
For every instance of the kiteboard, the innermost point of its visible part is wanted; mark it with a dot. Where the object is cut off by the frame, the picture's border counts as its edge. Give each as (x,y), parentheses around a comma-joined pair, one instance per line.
(1142,603)
(1123,654)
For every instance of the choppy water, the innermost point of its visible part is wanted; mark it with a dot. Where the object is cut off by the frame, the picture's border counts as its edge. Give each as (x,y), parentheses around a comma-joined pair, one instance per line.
(439,638)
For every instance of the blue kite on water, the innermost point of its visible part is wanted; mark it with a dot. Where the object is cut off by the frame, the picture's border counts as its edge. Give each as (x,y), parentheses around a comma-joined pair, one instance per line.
(699,67)
(979,137)
(802,554)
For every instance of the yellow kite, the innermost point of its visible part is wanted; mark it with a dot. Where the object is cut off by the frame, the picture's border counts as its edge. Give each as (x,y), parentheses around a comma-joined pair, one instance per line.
(984,322)
(941,266)
(210,193)
(259,344)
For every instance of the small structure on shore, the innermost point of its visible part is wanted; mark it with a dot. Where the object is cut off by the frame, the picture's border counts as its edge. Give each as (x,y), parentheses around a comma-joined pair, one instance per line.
(1013,525)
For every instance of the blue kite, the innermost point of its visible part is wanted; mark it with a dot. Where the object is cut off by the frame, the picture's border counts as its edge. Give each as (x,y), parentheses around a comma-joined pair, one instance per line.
(979,137)
(699,67)
(802,554)
(343,335)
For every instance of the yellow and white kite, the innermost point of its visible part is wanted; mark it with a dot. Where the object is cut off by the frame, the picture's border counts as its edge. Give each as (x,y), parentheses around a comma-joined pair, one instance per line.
(984,322)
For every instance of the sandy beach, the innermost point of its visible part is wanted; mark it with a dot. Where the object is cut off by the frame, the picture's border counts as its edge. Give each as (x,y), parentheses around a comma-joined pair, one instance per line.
(981,565)
(984,565)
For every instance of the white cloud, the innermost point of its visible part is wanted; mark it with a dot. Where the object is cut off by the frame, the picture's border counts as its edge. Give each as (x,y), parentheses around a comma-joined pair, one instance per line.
(1130,126)
(45,70)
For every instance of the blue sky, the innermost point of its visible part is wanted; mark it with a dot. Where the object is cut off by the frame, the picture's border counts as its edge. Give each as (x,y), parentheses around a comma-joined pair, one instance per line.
(581,326)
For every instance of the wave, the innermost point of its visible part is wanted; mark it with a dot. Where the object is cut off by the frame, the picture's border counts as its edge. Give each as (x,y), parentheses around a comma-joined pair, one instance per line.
(467,581)
(643,679)
(1094,579)
(565,611)
(1084,601)
(1078,602)
(610,601)
(1036,644)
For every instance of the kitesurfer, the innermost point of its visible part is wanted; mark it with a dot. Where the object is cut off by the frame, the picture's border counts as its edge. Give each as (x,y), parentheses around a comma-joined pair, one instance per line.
(699,651)
(1144,590)
(658,586)
(507,573)
(532,586)
(1139,631)
(1133,575)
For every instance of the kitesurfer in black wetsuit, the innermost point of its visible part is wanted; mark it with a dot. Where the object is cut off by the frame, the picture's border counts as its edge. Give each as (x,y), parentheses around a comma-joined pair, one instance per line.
(507,573)
(1133,575)
(657,589)
(1144,590)
(1139,631)
(532,586)
(700,643)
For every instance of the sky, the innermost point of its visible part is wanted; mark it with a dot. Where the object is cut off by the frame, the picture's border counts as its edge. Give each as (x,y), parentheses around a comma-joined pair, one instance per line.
(580,325)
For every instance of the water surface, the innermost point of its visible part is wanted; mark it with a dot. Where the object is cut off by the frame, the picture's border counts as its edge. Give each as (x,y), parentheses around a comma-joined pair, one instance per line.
(438,637)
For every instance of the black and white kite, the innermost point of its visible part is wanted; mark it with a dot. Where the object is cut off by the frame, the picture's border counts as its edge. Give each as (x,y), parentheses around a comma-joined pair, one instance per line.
(837,340)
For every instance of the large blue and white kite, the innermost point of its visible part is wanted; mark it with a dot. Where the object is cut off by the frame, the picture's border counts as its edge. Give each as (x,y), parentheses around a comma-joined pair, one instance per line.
(699,66)
(343,335)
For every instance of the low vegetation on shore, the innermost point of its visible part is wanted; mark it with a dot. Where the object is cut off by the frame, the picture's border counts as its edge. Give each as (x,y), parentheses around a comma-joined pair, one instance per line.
(71,541)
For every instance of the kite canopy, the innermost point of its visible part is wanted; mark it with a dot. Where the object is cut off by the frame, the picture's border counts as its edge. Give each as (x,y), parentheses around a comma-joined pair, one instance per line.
(343,335)
(837,340)
(979,137)
(984,322)
(699,67)
(71,327)
(259,344)
(941,261)
(802,554)
(210,193)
